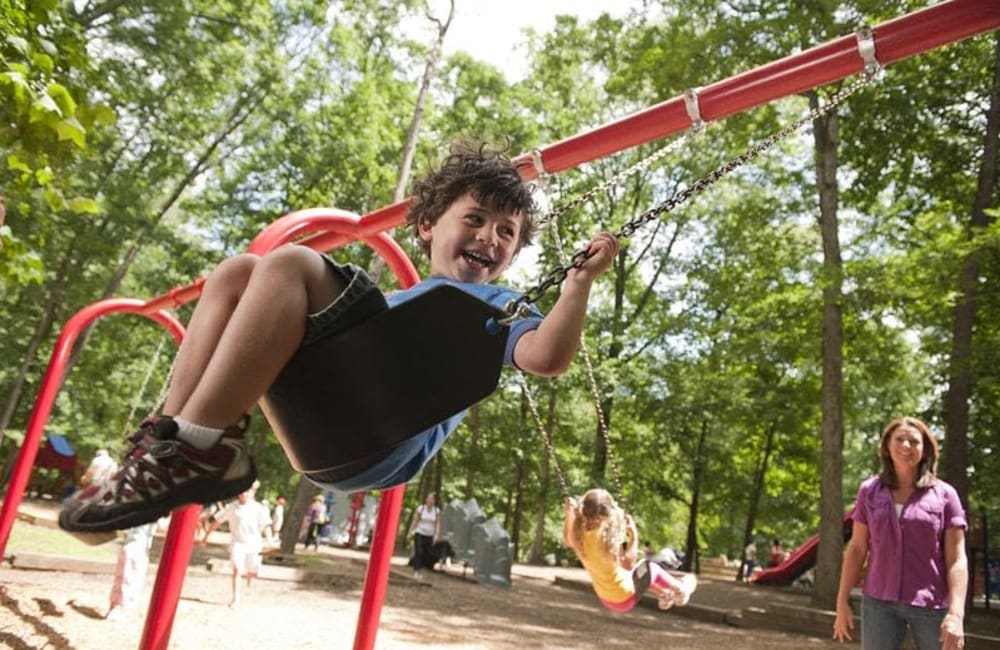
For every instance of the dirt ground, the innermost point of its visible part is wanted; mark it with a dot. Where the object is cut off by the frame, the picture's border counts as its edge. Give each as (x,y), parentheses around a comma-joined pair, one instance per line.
(63,610)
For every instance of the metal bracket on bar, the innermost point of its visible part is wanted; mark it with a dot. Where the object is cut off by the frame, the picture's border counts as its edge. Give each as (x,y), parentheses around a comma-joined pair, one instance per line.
(693,109)
(543,176)
(536,160)
(866,49)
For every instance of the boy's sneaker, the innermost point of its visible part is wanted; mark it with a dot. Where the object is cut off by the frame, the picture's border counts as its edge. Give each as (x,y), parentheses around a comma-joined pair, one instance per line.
(158,474)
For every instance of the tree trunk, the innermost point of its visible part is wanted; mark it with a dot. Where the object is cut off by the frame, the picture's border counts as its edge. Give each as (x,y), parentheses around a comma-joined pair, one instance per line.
(438,477)
(537,553)
(955,455)
(295,514)
(515,532)
(413,131)
(42,329)
(691,560)
(430,66)
(756,490)
(237,116)
(17,386)
(471,458)
(831,541)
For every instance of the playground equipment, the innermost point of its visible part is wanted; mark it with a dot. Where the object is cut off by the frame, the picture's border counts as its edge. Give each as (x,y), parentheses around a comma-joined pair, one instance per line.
(478,542)
(798,561)
(325,229)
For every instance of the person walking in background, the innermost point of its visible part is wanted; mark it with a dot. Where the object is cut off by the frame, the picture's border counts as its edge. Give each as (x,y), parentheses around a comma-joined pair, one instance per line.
(101,468)
(777,555)
(247,520)
(749,560)
(316,518)
(130,570)
(426,528)
(278,517)
(910,527)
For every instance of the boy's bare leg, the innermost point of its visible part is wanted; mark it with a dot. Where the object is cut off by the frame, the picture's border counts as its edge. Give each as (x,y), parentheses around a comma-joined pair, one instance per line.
(167,467)
(262,333)
(219,297)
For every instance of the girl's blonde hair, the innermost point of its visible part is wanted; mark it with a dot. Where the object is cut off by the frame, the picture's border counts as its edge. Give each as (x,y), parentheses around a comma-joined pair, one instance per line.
(598,510)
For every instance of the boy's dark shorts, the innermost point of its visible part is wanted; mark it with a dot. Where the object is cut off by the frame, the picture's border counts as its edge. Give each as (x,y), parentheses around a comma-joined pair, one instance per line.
(360,301)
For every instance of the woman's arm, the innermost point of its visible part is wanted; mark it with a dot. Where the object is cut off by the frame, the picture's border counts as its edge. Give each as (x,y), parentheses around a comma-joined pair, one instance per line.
(850,571)
(958,582)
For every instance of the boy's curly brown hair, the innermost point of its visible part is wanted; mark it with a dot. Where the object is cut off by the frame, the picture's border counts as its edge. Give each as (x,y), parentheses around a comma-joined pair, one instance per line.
(483,171)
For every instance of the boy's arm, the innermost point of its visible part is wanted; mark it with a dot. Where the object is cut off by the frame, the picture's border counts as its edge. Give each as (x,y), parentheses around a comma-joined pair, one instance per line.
(548,350)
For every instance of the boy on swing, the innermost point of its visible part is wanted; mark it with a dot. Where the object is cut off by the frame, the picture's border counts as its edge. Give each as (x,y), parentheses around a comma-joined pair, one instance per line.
(472,216)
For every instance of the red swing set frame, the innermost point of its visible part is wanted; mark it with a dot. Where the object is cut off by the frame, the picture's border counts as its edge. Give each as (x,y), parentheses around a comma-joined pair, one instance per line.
(326,229)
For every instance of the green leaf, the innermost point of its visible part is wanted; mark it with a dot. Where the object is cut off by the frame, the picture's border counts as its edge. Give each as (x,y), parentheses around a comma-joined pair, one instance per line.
(14,163)
(104,114)
(22,90)
(71,129)
(44,176)
(44,108)
(48,46)
(63,98)
(55,199)
(82,205)
(43,61)
(18,43)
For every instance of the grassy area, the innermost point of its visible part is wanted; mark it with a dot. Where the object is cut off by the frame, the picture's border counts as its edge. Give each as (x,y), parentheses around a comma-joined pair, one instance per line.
(26,537)
(43,538)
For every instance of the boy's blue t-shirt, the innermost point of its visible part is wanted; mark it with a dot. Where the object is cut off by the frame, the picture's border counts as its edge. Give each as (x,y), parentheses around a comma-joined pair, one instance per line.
(404,461)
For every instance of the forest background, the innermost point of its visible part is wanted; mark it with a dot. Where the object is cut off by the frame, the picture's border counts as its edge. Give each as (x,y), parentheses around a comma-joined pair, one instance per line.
(749,346)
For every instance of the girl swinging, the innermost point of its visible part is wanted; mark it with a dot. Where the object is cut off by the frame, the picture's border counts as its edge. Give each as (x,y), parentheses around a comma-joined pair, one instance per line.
(605,540)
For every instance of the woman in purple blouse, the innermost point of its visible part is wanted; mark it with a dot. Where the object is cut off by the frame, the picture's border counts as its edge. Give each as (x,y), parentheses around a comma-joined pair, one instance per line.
(910,526)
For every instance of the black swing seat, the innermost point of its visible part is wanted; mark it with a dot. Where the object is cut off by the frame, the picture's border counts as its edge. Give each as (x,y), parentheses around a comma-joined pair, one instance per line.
(344,400)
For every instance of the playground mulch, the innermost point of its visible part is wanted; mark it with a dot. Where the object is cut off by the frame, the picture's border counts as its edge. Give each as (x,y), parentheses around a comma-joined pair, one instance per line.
(63,608)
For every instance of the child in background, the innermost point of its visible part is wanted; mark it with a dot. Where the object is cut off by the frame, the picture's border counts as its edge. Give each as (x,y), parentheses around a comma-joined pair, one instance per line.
(605,540)
(130,570)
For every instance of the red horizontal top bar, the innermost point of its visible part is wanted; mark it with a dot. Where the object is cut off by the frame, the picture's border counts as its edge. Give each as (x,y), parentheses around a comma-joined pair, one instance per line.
(895,40)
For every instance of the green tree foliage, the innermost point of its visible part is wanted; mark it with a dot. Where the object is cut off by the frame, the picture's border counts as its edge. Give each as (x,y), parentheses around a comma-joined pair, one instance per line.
(202,122)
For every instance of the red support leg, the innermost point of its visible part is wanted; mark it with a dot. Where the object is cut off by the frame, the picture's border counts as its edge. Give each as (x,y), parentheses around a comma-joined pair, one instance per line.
(377,574)
(170,578)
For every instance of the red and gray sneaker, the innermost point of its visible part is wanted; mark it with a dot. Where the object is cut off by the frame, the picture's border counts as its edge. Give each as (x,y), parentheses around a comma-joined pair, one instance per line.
(161,473)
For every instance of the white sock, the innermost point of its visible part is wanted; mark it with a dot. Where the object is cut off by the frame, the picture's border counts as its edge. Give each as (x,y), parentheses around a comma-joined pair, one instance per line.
(196,435)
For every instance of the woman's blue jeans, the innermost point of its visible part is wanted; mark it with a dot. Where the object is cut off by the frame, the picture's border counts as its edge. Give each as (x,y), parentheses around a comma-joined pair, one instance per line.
(883,625)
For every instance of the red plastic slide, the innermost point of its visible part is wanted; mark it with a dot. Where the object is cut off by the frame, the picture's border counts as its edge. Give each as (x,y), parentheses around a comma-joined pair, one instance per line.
(798,562)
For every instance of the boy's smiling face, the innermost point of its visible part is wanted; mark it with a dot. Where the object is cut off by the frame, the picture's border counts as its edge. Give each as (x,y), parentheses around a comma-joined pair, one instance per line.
(470,243)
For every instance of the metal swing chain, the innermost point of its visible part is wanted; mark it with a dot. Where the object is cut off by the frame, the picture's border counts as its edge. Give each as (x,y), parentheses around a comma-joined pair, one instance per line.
(562,209)
(552,217)
(160,398)
(519,306)
(142,388)
(595,390)
(546,436)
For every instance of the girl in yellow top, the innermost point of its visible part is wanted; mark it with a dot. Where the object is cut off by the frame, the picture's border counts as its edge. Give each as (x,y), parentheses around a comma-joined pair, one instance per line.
(605,539)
